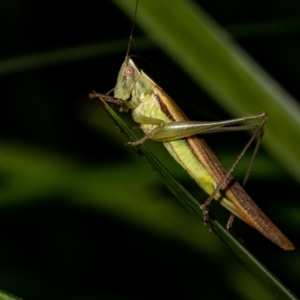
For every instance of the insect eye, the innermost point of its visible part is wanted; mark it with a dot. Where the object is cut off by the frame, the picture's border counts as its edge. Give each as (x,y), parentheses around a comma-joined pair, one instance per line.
(129,72)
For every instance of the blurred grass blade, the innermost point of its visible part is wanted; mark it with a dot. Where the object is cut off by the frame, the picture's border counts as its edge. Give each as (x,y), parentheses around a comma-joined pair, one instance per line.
(7,296)
(211,58)
(265,28)
(181,193)
(61,56)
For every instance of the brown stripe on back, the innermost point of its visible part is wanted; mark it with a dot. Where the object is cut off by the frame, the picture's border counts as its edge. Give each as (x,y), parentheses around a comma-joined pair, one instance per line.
(163,107)
(168,106)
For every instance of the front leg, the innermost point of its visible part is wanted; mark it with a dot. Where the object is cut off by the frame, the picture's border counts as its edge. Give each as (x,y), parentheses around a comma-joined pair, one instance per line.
(119,104)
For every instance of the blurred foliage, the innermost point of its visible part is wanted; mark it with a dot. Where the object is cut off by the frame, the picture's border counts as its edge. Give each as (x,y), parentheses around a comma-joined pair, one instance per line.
(82,217)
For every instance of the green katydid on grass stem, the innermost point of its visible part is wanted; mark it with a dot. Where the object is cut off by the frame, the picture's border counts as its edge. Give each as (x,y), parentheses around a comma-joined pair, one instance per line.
(162,120)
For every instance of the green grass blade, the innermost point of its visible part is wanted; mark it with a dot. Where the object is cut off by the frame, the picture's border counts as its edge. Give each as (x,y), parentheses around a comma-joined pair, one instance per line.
(182,194)
(6,296)
(62,56)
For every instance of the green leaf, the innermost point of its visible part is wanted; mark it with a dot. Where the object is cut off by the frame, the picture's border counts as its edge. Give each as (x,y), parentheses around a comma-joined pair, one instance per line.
(6,296)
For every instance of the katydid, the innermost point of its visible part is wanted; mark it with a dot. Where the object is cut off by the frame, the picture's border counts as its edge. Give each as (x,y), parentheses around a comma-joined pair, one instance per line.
(162,120)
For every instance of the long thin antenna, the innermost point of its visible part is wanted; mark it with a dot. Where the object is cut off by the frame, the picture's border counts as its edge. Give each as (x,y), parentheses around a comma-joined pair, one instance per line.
(132,29)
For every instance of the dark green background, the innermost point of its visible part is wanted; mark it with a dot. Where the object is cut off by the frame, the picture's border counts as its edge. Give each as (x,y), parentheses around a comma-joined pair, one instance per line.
(81,216)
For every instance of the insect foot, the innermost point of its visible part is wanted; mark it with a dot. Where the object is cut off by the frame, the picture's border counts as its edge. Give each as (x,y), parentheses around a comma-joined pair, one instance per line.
(206,218)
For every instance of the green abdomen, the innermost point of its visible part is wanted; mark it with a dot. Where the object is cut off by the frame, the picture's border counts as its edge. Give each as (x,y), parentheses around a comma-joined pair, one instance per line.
(179,149)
